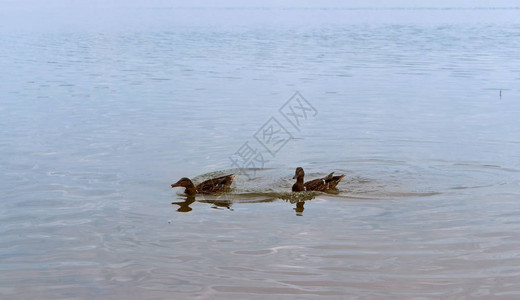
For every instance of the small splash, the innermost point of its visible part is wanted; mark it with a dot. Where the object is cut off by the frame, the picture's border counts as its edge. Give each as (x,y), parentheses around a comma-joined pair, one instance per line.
(297,197)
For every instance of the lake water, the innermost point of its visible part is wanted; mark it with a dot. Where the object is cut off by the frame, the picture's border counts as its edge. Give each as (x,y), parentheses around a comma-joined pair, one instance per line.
(103,107)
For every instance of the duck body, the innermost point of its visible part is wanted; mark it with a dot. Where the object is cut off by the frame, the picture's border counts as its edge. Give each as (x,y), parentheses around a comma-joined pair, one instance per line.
(214,185)
(321,184)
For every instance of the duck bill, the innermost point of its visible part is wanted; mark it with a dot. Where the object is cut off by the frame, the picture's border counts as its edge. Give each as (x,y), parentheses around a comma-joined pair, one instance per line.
(175,185)
(294,177)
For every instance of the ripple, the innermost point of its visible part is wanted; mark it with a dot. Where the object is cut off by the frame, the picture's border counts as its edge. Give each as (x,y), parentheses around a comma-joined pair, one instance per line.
(273,291)
(254,252)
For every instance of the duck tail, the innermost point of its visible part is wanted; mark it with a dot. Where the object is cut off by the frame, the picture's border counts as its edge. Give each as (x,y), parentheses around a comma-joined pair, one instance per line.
(338,178)
(329,177)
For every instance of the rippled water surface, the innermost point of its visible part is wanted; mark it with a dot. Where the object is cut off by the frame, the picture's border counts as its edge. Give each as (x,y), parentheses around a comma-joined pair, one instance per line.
(419,107)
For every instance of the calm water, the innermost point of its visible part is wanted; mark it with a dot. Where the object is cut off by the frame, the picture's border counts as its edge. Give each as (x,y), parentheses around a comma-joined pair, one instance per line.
(102,109)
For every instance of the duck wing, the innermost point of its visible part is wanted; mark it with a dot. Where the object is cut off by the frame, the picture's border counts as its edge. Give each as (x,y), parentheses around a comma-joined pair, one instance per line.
(322,184)
(319,184)
(328,177)
(333,182)
(215,184)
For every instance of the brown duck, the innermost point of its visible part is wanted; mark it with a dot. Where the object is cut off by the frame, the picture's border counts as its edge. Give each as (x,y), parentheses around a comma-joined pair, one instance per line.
(215,185)
(321,184)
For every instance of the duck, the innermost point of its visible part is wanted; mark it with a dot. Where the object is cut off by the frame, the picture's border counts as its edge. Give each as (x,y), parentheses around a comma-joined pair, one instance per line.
(215,185)
(321,184)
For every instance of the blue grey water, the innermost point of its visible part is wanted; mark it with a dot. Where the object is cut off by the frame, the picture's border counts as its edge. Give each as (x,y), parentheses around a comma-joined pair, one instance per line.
(103,106)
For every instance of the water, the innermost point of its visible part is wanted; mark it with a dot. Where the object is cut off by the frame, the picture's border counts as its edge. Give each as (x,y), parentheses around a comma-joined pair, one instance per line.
(101,109)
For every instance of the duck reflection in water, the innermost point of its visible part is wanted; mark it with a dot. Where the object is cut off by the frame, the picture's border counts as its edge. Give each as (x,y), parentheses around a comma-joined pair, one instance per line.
(299,208)
(184,206)
(219,204)
(298,199)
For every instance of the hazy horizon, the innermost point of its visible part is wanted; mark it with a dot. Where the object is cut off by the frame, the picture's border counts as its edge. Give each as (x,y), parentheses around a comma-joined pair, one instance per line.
(99,16)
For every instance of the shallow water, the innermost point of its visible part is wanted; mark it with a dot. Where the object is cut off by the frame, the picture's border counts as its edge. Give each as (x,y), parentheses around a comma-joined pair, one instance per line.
(418,107)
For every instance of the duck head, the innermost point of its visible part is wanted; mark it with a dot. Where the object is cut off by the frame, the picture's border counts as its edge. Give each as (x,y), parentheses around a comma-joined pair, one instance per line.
(186,183)
(183,182)
(299,173)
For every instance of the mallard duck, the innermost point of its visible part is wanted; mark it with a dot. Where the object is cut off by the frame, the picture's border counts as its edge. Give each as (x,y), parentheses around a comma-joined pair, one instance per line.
(214,185)
(320,184)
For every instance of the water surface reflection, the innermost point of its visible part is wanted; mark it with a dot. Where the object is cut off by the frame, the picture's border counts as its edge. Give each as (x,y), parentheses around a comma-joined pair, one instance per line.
(227,200)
